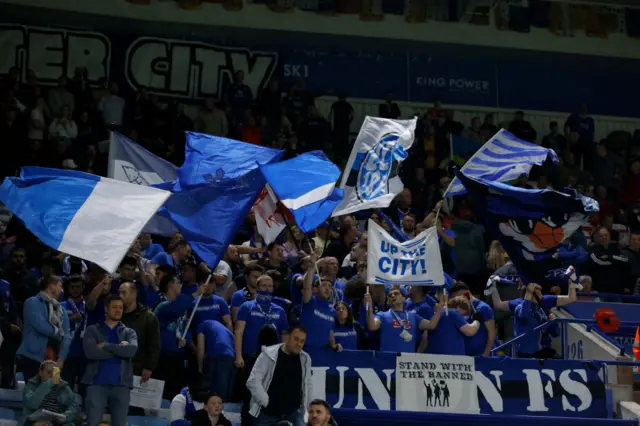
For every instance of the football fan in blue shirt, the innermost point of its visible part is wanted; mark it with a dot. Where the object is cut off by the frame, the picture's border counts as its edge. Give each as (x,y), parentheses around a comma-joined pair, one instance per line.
(255,314)
(318,315)
(398,327)
(448,338)
(528,315)
(251,274)
(483,341)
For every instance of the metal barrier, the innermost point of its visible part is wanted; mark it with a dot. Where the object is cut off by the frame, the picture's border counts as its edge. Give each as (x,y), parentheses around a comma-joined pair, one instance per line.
(611,296)
(563,336)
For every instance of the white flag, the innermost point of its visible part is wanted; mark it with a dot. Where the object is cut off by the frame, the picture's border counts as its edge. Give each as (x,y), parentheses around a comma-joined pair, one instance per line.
(415,262)
(371,179)
(269,221)
(129,162)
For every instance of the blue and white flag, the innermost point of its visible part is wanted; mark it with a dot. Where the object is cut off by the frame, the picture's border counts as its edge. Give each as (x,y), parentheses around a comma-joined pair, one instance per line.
(370,179)
(83,215)
(503,158)
(215,190)
(306,185)
(130,162)
(533,225)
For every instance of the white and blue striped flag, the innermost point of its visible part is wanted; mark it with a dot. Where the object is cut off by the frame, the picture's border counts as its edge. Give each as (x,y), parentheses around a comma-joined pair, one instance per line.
(503,158)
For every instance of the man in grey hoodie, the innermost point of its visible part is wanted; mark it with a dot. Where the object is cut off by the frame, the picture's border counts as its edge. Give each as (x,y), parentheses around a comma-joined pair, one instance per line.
(280,382)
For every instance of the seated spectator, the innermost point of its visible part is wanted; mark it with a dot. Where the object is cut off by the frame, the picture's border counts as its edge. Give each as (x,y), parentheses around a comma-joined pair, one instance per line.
(47,391)
(185,404)
(46,334)
(211,414)
(320,414)
(64,128)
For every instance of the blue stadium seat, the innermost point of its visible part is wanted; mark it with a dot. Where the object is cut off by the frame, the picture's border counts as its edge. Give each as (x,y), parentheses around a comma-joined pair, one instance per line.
(165,403)
(146,421)
(19,377)
(231,407)
(7,414)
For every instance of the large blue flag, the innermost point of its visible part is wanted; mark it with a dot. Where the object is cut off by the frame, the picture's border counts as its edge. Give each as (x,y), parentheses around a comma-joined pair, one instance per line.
(211,159)
(503,158)
(84,215)
(530,224)
(215,190)
(306,185)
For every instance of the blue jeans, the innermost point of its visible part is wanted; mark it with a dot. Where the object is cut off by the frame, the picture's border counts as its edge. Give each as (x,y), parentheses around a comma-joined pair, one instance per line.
(114,398)
(222,376)
(296,418)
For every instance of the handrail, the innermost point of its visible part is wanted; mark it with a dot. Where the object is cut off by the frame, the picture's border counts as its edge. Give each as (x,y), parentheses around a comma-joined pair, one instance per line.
(573,321)
(631,297)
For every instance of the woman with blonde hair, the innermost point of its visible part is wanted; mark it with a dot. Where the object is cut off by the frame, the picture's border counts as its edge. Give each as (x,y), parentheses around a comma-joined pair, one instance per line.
(496,257)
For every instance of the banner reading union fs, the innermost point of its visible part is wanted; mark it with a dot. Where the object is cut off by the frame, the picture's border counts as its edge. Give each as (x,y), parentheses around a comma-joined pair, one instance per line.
(414,262)
(436,383)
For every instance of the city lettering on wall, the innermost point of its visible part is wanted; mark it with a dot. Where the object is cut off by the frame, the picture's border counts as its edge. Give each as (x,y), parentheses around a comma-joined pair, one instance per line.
(192,69)
(51,53)
(172,68)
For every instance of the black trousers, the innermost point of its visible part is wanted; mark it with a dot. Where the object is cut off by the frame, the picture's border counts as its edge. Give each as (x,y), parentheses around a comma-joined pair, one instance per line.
(8,359)
(28,367)
(171,370)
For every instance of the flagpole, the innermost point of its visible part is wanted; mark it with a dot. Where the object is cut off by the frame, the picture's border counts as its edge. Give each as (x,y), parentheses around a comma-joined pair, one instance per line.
(195,308)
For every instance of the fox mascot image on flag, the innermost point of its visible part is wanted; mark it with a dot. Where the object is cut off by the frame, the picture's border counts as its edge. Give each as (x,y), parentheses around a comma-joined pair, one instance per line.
(370,179)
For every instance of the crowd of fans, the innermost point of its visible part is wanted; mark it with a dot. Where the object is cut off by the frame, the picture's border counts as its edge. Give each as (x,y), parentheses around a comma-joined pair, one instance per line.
(70,327)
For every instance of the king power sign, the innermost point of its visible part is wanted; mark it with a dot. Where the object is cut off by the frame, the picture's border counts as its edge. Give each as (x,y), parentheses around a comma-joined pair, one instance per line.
(172,68)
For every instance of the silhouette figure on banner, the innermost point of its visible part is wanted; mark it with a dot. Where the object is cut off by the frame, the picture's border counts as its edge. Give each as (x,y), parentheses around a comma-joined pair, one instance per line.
(429,393)
(437,394)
